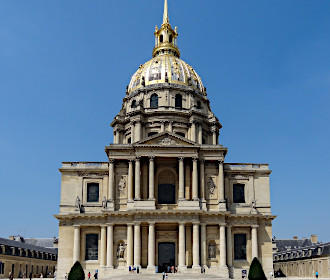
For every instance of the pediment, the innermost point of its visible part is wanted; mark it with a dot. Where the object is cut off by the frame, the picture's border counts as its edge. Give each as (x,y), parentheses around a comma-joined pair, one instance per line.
(166,139)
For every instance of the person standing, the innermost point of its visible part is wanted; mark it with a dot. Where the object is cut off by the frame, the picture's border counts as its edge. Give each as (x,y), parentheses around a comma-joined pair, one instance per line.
(89,275)
(317,274)
(11,276)
(163,275)
(30,275)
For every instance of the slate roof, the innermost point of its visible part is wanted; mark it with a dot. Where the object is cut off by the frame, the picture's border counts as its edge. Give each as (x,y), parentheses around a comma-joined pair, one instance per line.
(284,244)
(41,242)
(18,244)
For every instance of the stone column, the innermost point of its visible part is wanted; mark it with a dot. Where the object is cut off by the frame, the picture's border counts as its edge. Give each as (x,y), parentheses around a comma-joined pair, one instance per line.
(196,246)
(110,246)
(200,133)
(151,247)
(195,180)
(137,179)
(229,247)
(187,181)
(182,246)
(151,178)
(223,257)
(103,245)
(162,126)
(133,132)
(76,243)
(193,131)
(130,181)
(221,186)
(202,178)
(129,244)
(111,179)
(115,137)
(254,235)
(214,135)
(137,244)
(170,126)
(181,178)
(137,131)
(203,246)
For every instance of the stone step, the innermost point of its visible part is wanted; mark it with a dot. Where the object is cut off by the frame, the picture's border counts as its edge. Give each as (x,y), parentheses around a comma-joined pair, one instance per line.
(158,276)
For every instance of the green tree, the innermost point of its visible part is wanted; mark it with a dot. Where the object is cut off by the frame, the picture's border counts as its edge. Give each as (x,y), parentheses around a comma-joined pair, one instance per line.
(76,272)
(256,272)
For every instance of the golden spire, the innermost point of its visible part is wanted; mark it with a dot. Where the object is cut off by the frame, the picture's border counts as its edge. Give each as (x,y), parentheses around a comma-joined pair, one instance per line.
(165,37)
(165,16)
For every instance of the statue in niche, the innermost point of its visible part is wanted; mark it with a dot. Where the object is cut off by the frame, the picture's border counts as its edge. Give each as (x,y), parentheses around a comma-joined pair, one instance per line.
(78,204)
(212,251)
(121,250)
(210,185)
(104,202)
(122,183)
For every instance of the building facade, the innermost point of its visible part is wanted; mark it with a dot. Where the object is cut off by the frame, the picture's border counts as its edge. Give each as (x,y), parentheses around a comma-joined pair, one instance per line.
(165,197)
(22,258)
(302,257)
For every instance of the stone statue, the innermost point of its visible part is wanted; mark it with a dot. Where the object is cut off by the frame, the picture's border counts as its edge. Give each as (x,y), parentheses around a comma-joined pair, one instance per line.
(78,204)
(122,183)
(121,250)
(104,202)
(210,185)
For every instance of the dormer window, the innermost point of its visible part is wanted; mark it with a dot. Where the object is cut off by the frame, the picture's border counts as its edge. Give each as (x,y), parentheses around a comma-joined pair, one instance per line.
(154,101)
(133,105)
(199,105)
(171,39)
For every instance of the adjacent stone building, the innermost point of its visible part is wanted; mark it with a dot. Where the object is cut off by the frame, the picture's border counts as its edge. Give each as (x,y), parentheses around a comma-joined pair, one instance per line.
(19,256)
(302,257)
(166,196)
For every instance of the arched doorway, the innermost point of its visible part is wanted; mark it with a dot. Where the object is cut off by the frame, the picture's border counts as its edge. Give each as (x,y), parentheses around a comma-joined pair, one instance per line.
(166,256)
(166,187)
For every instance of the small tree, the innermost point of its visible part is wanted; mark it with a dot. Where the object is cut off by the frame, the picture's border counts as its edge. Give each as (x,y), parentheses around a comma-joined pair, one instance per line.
(76,272)
(256,272)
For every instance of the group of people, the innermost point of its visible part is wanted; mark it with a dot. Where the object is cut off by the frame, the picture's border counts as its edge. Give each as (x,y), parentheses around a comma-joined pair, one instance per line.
(133,269)
(23,276)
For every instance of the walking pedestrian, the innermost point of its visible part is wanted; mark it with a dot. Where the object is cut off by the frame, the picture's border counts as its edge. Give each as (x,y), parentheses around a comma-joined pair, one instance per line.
(89,275)
(317,274)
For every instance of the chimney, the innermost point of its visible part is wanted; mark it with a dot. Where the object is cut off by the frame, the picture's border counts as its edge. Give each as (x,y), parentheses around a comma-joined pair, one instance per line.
(295,238)
(11,237)
(314,238)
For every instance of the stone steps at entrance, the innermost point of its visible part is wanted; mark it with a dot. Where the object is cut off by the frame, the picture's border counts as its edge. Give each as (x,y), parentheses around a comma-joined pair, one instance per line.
(158,276)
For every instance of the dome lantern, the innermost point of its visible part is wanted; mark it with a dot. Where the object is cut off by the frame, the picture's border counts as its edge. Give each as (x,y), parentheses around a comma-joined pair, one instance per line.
(166,37)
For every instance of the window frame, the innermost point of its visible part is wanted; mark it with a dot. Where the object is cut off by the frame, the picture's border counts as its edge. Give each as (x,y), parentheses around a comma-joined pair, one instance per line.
(178,97)
(244,192)
(234,247)
(92,231)
(86,181)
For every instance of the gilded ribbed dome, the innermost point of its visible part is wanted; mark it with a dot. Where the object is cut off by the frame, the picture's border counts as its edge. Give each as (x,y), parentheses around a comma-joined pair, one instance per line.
(165,68)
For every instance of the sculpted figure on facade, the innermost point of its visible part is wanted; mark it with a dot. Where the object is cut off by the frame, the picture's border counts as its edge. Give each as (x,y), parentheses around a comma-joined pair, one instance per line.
(121,250)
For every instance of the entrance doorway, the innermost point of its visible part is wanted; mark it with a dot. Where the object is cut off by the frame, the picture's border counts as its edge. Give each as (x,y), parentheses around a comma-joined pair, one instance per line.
(166,256)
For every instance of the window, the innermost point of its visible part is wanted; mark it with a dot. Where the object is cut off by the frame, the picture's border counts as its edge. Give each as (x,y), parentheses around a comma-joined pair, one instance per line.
(161,38)
(92,247)
(199,105)
(154,101)
(133,105)
(178,101)
(171,38)
(238,193)
(240,246)
(2,268)
(129,140)
(92,192)
(152,133)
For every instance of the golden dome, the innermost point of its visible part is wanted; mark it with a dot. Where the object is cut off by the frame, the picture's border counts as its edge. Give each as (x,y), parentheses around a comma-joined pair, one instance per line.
(166,68)
(166,65)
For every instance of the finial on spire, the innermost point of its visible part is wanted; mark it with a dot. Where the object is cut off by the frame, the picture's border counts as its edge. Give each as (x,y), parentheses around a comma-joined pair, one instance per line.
(165,17)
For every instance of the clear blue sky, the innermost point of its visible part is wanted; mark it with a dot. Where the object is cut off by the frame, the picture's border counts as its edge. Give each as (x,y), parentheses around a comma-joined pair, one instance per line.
(64,67)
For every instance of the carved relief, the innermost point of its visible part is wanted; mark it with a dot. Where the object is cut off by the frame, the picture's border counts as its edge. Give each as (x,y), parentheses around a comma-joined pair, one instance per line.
(167,141)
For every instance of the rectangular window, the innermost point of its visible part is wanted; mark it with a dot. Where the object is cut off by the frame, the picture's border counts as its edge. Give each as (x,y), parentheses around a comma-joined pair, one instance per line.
(92,244)
(238,193)
(2,268)
(92,192)
(240,246)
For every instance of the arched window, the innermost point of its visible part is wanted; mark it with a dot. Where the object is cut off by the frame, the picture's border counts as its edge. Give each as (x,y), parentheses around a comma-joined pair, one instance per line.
(171,38)
(133,105)
(199,105)
(154,101)
(161,38)
(178,101)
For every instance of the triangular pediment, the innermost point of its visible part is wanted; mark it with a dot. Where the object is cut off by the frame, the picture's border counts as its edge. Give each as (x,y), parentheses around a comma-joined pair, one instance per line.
(166,139)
